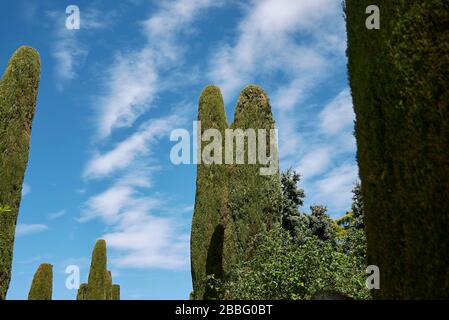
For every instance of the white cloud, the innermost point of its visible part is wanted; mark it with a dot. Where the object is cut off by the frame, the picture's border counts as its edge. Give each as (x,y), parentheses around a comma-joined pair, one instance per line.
(69,51)
(314,162)
(335,189)
(118,200)
(267,42)
(150,242)
(26,229)
(135,77)
(138,144)
(57,214)
(139,238)
(338,114)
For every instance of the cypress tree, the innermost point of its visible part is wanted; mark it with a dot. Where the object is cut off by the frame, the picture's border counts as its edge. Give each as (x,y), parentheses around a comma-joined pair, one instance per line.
(399,76)
(96,285)
(18,93)
(82,292)
(42,286)
(108,288)
(115,292)
(210,199)
(254,199)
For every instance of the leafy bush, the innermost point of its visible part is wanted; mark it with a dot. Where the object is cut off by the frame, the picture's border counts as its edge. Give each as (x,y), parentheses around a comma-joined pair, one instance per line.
(280,268)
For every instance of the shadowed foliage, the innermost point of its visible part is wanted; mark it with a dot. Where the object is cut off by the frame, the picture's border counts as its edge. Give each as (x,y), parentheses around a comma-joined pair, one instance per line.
(42,286)
(214,260)
(399,76)
(18,93)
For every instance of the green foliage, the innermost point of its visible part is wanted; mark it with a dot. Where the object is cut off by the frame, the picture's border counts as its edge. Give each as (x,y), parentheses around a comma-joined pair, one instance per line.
(280,268)
(5,209)
(320,224)
(308,262)
(108,286)
(115,292)
(210,212)
(97,285)
(399,77)
(292,199)
(18,92)
(254,199)
(82,292)
(233,202)
(42,286)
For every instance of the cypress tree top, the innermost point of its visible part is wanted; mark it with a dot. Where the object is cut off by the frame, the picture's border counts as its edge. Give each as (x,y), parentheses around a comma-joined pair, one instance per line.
(42,286)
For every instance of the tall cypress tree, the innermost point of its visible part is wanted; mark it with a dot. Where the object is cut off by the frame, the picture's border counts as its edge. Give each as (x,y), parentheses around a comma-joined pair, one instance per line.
(399,76)
(96,285)
(210,206)
(254,199)
(18,92)
(42,286)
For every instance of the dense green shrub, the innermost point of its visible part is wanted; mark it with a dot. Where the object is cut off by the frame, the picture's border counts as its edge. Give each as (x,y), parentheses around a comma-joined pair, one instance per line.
(18,92)
(399,76)
(280,268)
(210,199)
(42,286)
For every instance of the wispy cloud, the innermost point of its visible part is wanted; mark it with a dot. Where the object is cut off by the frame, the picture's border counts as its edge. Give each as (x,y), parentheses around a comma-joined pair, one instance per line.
(138,144)
(338,114)
(26,229)
(335,188)
(140,238)
(315,162)
(57,214)
(266,43)
(135,77)
(69,50)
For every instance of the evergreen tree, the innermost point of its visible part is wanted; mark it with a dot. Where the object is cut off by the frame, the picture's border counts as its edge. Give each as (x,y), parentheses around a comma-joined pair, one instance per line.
(42,286)
(210,213)
(320,224)
(96,285)
(18,93)
(398,76)
(255,200)
(292,200)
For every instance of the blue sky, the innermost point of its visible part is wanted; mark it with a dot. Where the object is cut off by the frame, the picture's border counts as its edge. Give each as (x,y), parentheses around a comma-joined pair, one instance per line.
(111,93)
